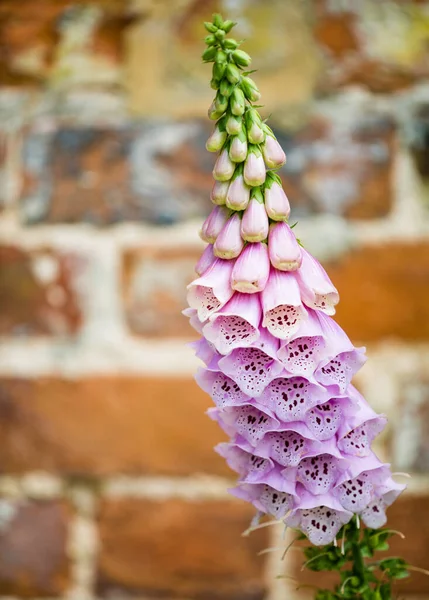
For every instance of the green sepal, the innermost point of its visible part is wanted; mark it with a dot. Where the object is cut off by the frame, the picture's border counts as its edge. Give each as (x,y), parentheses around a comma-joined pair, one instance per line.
(217,20)
(257,194)
(228,25)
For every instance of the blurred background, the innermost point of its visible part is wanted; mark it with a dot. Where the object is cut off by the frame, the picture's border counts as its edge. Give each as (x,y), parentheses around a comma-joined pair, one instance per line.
(109,487)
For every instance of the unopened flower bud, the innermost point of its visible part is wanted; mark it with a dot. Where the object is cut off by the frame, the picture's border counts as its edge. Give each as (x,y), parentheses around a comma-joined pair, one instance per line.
(230,44)
(228,25)
(251,270)
(229,243)
(214,84)
(226,88)
(276,202)
(250,89)
(212,226)
(220,34)
(285,252)
(238,195)
(210,40)
(255,225)
(237,102)
(254,167)
(206,260)
(234,125)
(241,58)
(213,113)
(224,167)
(238,148)
(219,70)
(209,54)
(217,138)
(217,20)
(274,156)
(211,28)
(219,192)
(255,133)
(232,73)
(220,56)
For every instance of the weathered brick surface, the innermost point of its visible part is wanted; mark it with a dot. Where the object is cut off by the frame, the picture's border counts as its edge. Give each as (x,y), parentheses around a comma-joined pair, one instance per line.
(361,46)
(99,426)
(179,549)
(341,165)
(383,292)
(154,172)
(154,281)
(36,293)
(33,559)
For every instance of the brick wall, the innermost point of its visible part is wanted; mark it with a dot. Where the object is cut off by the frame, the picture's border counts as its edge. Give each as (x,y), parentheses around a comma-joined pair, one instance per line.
(109,487)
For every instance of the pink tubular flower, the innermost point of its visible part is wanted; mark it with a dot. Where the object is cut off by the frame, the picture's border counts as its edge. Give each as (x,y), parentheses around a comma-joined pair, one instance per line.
(224,167)
(229,242)
(254,167)
(251,270)
(278,368)
(285,252)
(276,202)
(317,290)
(281,305)
(206,260)
(219,192)
(238,195)
(214,223)
(274,156)
(236,324)
(212,290)
(254,225)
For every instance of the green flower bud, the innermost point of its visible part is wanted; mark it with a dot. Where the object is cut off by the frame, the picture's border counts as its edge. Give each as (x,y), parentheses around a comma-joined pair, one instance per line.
(214,84)
(214,113)
(210,27)
(250,89)
(241,58)
(217,20)
(232,74)
(220,34)
(210,40)
(221,103)
(234,125)
(230,44)
(255,133)
(209,54)
(219,69)
(237,102)
(220,57)
(228,25)
(226,88)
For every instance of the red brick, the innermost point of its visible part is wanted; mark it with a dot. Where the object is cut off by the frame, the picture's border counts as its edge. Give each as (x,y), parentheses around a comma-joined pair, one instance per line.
(33,559)
(105,425)
(179,549)
(383,292)
(104,175)
(32,305)
(339,169)
(154,290)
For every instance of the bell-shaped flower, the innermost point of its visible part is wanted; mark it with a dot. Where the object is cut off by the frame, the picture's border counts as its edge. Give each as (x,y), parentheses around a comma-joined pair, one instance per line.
(255,224)
(229,242)
(317,290)
(282,309)
(212,290)
(285,252)
(236,324)
(251,269)
(212,226)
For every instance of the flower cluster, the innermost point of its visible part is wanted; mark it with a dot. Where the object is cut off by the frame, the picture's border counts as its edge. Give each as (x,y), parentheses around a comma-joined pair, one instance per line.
(277,366)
